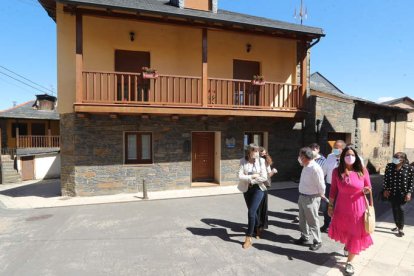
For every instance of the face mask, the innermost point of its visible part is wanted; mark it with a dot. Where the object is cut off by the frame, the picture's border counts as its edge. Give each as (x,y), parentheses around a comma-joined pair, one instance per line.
(300,161)
(396,161)
(315,153)
(350,159)
(255,155)
(336,151)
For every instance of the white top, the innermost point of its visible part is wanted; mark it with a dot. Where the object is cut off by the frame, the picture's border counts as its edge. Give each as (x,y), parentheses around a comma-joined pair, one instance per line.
(312,179)
(247,169)
(332,162)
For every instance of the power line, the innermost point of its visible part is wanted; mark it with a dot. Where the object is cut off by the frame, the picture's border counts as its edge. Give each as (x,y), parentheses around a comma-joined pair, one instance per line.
(25,78)
(22,82)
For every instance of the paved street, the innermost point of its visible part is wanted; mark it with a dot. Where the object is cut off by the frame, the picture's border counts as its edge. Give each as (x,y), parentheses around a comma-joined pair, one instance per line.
(190,236)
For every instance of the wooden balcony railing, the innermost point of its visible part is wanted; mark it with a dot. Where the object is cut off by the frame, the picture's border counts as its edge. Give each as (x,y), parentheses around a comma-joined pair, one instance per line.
(243,94)
(37,141)
(131,88)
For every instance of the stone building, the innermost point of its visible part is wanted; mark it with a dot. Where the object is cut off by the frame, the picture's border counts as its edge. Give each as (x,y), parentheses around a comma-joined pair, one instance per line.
(408,104)
(376,130)
(222,80)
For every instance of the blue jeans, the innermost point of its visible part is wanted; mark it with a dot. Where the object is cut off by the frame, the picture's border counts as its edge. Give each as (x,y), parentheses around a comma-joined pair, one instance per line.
(324,207)
(253,197)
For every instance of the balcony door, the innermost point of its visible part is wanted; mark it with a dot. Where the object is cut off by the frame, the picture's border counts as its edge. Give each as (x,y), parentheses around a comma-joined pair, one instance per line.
(130,88)
(245,93)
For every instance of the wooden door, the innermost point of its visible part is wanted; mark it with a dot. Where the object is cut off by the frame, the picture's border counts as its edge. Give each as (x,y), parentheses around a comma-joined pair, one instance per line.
(132,62)
(203,156)
(27,168)
(246,93)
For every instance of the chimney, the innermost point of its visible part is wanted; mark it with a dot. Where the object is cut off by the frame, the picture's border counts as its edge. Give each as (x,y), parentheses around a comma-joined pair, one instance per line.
(201,5)
(45,102)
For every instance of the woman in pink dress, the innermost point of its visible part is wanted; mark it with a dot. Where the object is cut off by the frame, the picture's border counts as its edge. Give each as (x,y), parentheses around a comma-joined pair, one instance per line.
(349,183)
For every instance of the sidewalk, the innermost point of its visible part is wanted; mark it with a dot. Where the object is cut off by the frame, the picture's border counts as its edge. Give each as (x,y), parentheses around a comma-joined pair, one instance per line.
(390,255)
(26,200)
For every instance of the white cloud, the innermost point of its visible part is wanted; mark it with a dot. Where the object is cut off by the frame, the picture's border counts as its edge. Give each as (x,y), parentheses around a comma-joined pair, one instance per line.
(384,99)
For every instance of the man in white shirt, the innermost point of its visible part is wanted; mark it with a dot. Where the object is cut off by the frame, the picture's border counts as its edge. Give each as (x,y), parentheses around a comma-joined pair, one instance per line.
(311,189)
(332,162)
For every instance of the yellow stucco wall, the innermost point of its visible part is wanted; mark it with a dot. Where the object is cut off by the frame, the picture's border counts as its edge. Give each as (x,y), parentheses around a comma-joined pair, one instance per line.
(174,50)
(371,140)
(11,141)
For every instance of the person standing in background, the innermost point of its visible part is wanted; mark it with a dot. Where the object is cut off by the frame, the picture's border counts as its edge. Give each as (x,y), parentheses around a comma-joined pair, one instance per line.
(398,187)
(332,162)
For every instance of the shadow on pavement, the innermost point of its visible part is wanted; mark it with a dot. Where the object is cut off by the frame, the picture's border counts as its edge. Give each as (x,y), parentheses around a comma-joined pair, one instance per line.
(43,188)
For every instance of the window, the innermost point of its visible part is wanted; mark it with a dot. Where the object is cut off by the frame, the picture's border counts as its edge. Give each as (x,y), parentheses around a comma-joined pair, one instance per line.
(254,137)
(38,129)
(373,123)
(138,148)
(386,135)
(22,129)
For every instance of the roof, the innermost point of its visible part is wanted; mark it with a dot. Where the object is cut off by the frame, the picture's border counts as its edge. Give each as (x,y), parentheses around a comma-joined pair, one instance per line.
(162,7)
(26,111)
(399,100)
(319,83)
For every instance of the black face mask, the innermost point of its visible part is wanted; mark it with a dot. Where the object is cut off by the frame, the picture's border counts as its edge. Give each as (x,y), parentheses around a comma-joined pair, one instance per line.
(263,156)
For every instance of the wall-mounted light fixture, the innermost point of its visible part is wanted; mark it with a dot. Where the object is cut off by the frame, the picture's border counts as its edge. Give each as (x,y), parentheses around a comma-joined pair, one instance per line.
(132,36)
(248,47)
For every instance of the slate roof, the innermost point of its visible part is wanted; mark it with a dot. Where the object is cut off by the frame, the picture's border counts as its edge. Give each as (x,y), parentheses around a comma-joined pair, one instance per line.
(162,7)
(319,83)
(399,100)
(26,111)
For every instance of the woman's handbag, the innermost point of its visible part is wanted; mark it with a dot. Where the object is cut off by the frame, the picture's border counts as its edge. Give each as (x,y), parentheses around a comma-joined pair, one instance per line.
(369,216)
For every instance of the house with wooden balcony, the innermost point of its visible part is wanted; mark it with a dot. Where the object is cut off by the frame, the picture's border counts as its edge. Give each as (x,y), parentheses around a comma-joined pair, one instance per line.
(170,92)
(29,140)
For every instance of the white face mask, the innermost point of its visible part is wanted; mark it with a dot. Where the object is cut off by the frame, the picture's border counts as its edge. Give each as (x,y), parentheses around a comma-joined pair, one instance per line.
(350,159)
(255,155)
(300,161)
(396,161)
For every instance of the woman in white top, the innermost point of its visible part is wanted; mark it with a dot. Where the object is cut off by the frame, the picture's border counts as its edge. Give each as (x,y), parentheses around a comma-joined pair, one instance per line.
(262,210)
(252,176)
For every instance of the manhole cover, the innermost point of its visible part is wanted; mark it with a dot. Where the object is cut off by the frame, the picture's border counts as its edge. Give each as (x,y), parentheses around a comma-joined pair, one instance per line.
(38,217)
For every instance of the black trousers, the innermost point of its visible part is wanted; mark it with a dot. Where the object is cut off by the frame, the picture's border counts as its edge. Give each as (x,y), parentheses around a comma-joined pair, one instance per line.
(398,206)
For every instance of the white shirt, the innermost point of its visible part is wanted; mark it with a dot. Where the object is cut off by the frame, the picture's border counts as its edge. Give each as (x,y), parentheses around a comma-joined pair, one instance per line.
(312,179)
(247,169)
(332,162)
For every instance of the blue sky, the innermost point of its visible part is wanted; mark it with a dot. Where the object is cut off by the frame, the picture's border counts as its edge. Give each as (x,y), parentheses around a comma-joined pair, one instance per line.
(367,51)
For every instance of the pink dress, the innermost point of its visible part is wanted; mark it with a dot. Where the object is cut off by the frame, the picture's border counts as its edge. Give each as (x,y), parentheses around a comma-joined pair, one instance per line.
(347,225)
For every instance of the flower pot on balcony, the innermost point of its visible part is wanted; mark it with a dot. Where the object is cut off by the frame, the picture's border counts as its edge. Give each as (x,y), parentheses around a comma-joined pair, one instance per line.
(258,82)
(149,75)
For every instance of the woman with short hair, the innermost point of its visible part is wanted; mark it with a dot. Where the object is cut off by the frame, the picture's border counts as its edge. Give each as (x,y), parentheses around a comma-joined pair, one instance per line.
(398,187)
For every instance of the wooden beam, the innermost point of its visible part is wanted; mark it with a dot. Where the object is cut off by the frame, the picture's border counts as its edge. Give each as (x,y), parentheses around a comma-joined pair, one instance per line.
(79,57)
(247,29)
(303,73)
(136,110)
(204,68)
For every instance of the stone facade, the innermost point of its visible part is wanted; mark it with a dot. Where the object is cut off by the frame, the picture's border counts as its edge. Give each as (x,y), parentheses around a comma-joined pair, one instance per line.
(328,116)
(92,151)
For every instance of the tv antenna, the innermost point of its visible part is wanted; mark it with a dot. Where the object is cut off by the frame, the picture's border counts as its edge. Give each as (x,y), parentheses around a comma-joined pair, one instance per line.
(302,14)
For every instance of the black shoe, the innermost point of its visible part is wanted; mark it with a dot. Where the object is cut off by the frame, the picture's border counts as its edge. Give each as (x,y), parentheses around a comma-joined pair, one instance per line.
(394,229)
(400,233)
(349,269)
(346,253)
(301,241)
(315,246)
(324,229)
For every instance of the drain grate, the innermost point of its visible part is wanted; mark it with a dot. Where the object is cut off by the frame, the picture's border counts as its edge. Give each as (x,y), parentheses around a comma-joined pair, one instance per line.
(35,218)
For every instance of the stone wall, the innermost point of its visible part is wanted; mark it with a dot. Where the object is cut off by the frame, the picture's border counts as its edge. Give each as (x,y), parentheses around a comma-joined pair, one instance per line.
(92,151)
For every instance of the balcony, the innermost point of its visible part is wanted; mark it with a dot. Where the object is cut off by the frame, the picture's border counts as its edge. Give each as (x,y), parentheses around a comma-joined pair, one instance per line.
(37,141)
(123,92)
